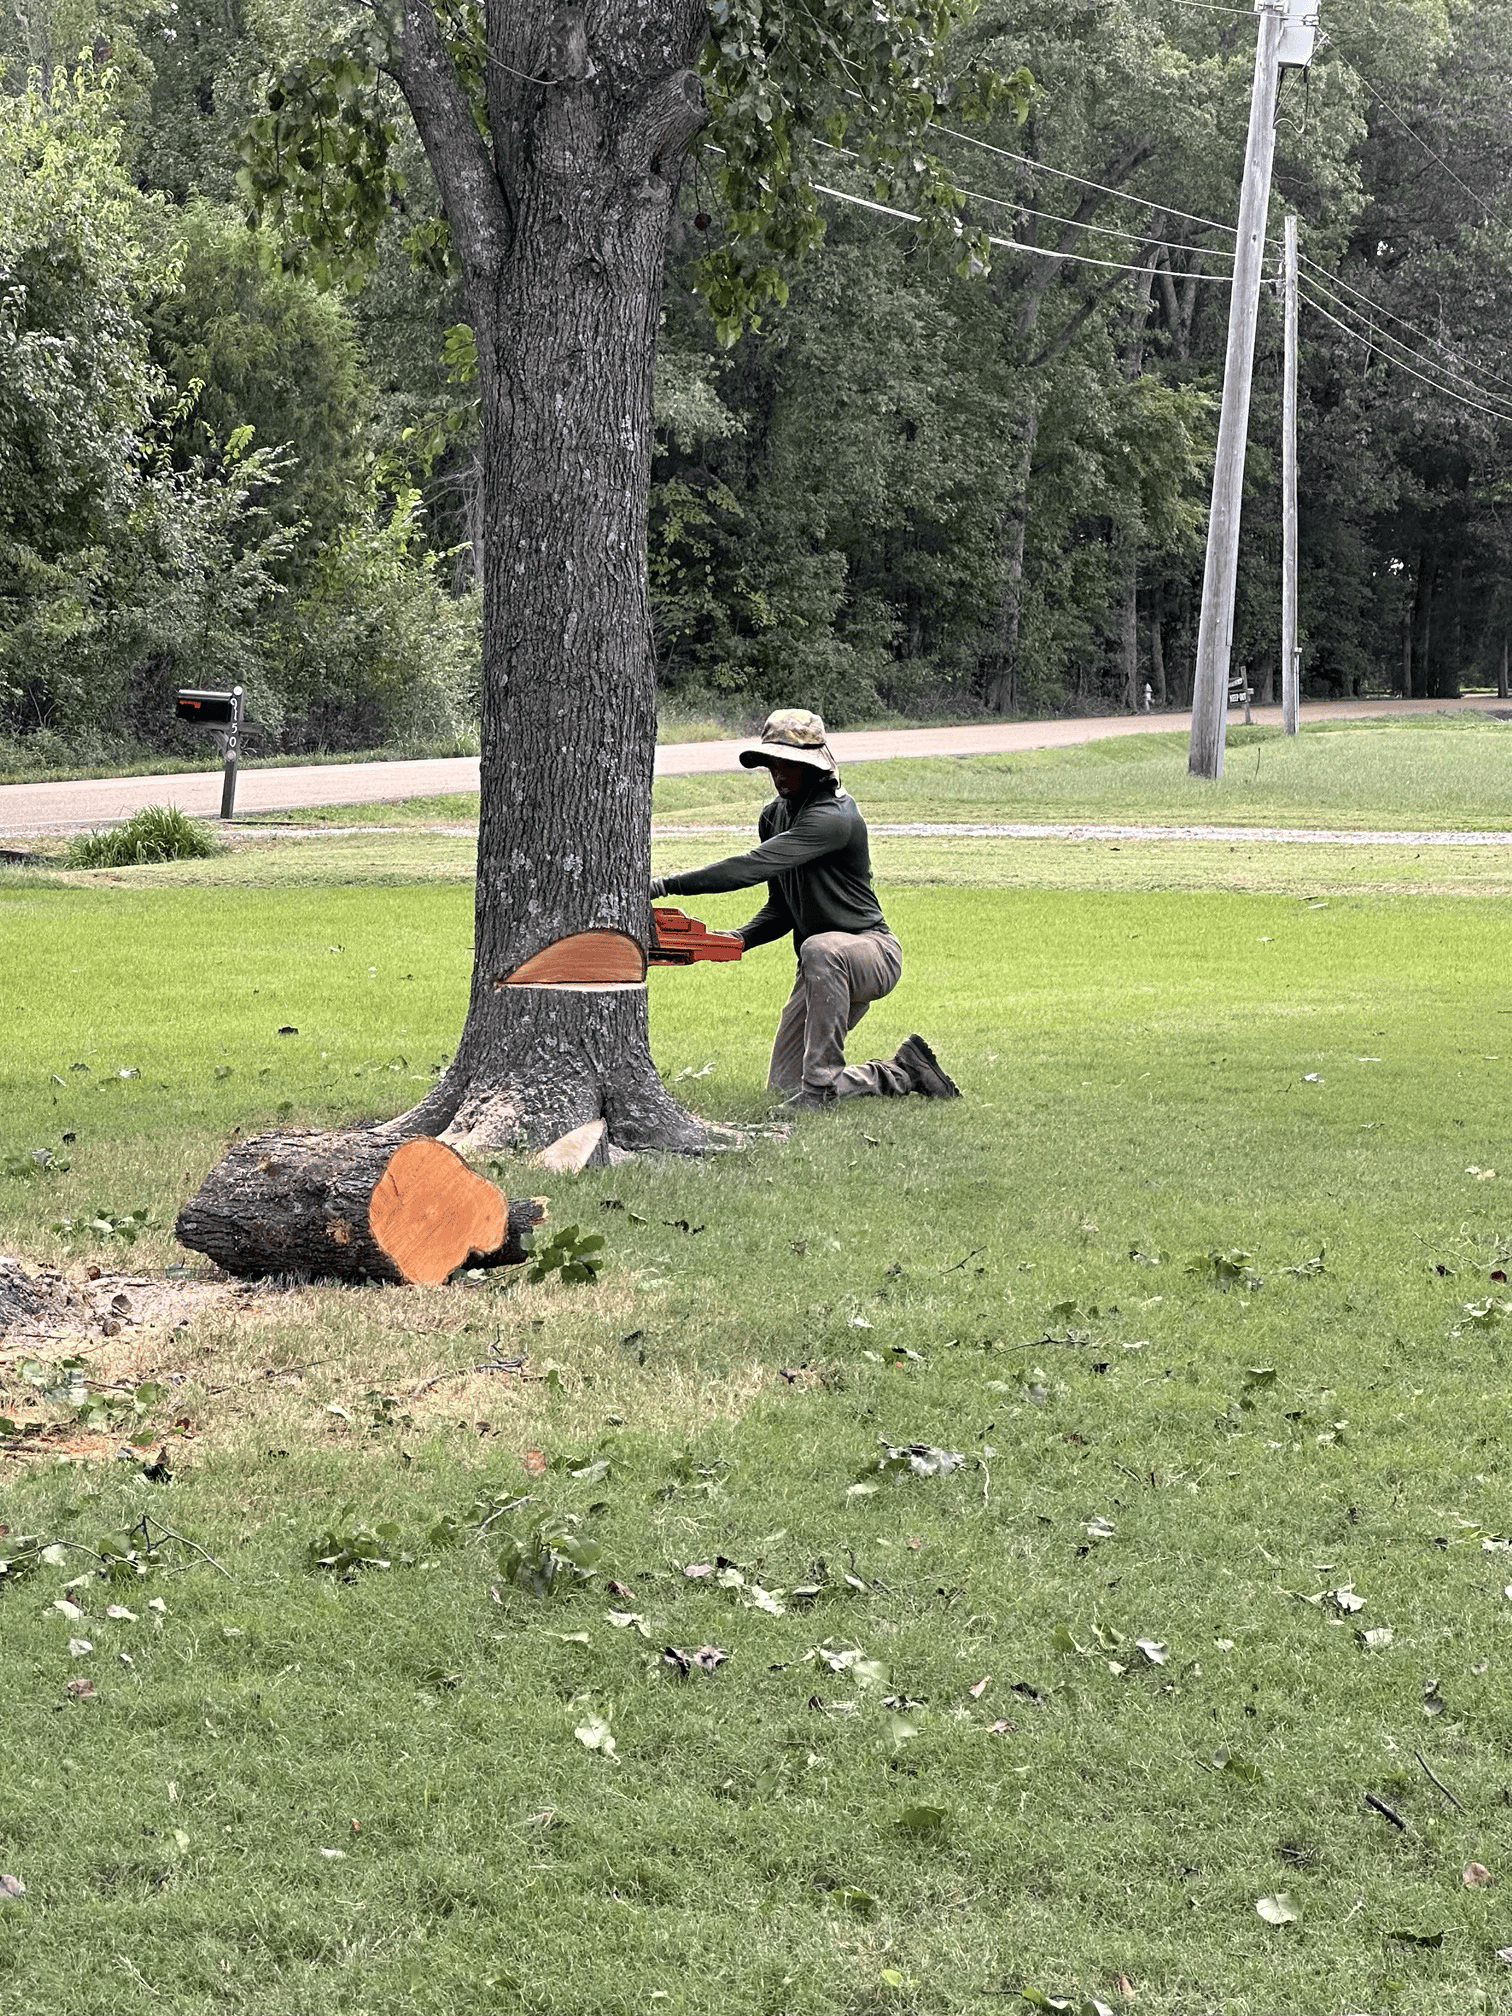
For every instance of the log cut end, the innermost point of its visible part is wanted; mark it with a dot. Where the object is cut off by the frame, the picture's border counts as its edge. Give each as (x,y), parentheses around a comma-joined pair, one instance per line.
(353,1207)
(430,1212)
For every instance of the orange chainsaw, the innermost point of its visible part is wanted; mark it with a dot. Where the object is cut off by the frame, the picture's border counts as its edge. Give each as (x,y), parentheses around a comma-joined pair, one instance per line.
(680,940)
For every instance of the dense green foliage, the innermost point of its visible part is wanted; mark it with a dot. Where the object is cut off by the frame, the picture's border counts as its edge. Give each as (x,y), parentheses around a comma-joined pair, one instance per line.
(195,487)
(883,480)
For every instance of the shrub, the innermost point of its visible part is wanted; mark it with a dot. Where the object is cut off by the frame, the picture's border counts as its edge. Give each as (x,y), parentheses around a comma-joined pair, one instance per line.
(156,833)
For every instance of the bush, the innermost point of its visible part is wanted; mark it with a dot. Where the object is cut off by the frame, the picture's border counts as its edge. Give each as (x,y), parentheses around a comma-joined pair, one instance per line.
(156,833)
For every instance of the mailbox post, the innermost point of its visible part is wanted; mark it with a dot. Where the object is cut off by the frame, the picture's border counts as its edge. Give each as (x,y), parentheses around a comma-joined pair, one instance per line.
(222,713)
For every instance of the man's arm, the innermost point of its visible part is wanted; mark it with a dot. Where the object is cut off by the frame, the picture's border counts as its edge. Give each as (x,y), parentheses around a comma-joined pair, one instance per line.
(772,920)
(819,829)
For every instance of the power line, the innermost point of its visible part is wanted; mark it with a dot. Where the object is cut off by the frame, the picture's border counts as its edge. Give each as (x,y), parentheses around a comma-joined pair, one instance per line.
(1444,392)
(1386,106)
(1064,175)
(1003,244)
(1211,7)
(1325,286)
(1334,280)
(1054,217)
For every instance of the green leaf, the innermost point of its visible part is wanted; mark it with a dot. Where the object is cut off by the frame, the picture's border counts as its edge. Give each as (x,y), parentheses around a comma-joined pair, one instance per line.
(1238,1767)
(861,1902)
(923,1819)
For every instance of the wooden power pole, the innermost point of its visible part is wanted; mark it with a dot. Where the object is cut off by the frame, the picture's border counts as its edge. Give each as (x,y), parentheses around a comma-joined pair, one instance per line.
(1286,36)
(1291,657)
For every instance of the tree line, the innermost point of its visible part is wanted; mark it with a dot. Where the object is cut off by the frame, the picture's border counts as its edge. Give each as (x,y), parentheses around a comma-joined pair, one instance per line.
(913,481)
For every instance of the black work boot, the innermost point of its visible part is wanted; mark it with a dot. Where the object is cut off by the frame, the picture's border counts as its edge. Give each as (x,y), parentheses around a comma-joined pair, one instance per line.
(923,1068)
(807,1101)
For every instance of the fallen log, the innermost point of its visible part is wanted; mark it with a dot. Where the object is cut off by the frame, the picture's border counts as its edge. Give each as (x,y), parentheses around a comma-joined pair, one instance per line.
(355,1207)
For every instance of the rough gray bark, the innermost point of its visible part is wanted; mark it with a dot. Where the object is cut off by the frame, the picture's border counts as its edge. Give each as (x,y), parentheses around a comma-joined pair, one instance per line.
(561,227)
(298,1204)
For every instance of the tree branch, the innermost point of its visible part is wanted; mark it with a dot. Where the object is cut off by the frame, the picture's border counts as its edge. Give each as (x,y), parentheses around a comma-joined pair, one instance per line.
(471,194)
(1117,172)
(1078,321)
(672,111)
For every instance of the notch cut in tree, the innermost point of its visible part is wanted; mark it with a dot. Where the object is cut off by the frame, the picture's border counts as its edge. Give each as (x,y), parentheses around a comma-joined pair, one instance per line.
(353,1207)
(557,139)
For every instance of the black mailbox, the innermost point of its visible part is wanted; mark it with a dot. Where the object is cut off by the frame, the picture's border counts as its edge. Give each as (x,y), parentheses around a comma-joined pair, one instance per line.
(207,710)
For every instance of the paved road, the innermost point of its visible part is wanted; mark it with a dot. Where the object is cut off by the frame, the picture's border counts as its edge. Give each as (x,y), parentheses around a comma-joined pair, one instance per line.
(27,810)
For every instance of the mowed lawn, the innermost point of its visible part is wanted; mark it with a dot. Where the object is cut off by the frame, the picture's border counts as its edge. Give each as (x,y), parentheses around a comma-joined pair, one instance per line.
(1420,772)
(1217,1563)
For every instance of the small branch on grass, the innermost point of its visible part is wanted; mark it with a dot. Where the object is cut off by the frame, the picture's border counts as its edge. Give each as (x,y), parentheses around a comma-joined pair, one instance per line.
(515,1365)
(169,1534)
(1386,1812)
(986,1482)
(1129,1473)
(956,1267)
(1428,1768)
(513,1506)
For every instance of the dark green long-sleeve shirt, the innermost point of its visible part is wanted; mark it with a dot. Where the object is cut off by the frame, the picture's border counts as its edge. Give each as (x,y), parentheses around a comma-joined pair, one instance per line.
(816,863)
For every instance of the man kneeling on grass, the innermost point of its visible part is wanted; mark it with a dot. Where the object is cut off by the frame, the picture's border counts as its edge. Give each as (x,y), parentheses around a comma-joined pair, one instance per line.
(816,863)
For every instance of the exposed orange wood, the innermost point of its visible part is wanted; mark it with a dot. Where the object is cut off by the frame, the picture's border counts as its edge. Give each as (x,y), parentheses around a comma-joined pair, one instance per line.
(430,1212)
(587,959)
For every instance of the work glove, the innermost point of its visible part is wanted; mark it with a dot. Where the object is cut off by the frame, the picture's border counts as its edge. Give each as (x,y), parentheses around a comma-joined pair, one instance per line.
(658,889)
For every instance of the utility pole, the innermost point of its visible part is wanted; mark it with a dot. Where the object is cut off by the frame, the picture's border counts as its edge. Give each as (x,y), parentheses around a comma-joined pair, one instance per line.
(1286,36)
(1291,657)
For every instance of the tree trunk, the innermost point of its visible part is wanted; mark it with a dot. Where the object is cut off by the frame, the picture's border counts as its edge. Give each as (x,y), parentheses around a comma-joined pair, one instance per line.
(562,252)
(1501,683)
(1424,654)
(1267,693)
(1129,636)
(1407,619)
(1003,693)
(1157,645)
(352,1207)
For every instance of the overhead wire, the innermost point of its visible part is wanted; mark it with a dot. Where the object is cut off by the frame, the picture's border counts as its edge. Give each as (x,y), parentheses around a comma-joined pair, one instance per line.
(1326,285)
(1387,106)
(1054,217)
(1369,343)
(1004,244)
(1212,7)
(1082,181)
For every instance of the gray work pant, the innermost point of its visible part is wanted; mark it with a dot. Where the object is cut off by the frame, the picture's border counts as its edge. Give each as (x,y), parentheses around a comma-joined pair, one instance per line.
(840,974)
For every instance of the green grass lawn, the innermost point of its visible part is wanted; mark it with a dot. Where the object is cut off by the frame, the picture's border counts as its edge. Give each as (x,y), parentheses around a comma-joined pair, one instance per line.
(841,1819)
(1392,773)
(1414,773)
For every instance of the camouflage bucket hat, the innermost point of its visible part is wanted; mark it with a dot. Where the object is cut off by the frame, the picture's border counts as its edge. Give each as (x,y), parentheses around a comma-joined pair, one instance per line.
(791,735)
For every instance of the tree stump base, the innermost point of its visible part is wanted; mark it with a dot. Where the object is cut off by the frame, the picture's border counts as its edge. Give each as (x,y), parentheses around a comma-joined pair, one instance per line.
(353,1207)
